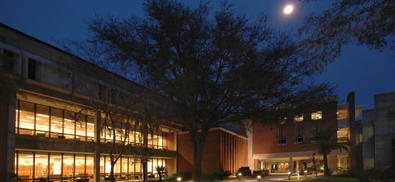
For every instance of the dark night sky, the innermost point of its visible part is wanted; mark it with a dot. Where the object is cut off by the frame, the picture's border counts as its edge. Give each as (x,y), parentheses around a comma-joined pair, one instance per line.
(359,69)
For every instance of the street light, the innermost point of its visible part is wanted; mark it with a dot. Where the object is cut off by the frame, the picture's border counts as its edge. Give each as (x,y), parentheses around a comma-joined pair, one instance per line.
(239,176)
(289,175)
(305,173)
(259,178)
(179,179)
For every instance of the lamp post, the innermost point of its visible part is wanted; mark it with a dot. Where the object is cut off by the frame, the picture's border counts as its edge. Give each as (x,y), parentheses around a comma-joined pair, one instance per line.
(305,173)
(239,176)
(179,179)
(289,175)
(259,178)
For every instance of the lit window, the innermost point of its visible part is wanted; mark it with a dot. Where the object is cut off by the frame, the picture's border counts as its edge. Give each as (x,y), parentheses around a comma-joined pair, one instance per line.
(316,115)
(298,118)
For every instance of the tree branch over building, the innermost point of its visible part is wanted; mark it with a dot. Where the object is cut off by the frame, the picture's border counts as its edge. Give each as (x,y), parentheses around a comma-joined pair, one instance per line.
(212,68)
(346,22)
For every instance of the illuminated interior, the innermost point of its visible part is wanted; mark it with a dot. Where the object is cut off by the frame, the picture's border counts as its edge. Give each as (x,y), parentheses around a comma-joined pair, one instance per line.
(44,121)
(316,115)
(68,167)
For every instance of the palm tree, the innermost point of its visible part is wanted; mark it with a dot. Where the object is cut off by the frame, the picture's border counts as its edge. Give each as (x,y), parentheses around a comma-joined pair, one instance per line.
(324,141)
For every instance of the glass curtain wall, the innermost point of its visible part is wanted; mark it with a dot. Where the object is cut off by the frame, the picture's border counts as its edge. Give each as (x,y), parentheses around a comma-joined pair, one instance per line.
(44,121)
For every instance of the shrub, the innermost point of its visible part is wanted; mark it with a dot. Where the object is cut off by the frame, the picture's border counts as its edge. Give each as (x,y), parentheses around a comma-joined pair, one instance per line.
(185,175)
(217,175)
(370,174)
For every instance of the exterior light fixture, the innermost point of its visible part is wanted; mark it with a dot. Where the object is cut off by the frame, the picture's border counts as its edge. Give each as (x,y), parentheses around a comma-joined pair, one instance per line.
(259,178)
(289,175)
(305,173)
(239,176)
(179,179)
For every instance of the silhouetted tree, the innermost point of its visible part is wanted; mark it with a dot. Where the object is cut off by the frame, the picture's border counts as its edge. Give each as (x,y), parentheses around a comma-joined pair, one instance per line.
(213,68)
(367,22)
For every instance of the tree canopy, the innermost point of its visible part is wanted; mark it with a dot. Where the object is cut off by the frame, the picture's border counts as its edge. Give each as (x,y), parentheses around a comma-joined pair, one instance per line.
(360,22)
(215,68)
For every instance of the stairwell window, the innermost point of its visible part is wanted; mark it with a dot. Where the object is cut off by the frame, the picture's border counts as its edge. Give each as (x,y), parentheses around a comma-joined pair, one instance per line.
(316,115)
(298,118)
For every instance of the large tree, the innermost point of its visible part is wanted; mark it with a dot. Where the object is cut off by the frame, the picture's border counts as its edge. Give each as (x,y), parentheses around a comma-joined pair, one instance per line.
(214,68)
(345,22)
(324,141)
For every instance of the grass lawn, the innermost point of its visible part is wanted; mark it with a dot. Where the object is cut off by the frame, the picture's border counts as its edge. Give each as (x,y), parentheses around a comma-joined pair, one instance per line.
(324,178)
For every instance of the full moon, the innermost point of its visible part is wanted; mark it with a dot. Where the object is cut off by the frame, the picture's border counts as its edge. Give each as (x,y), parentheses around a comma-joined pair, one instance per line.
(288,9)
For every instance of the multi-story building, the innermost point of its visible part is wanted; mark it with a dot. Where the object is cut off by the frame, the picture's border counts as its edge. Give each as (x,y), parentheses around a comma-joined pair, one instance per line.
(378,130)
(277,147)
(49,127)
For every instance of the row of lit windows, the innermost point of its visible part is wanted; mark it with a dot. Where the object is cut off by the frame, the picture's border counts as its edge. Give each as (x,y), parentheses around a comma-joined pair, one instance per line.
(44,121)
(299,118)
(69,167)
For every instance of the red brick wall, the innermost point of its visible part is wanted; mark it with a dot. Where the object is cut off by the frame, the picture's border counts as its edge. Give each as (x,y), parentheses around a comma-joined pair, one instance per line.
(170,140)
(170,166)
(222,151)
(265,137)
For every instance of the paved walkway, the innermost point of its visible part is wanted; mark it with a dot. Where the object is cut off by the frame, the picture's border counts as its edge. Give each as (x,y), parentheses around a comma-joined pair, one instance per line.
(277,177)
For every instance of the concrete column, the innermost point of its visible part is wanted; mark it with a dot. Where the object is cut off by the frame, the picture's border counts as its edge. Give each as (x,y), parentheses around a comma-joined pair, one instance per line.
(249,153)
(11,137)
(96,157)
(332,163)
(290,165)
(297,166)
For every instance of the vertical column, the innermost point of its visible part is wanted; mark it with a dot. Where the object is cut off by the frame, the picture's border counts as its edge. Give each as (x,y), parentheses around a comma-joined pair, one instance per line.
(297,166)
(176,148)
(221,143)
(96,156)
(352,129)
(290,165)
(7,136)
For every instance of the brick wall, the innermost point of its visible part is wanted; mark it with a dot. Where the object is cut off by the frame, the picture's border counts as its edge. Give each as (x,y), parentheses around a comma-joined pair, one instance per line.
(265,138)
(222,151)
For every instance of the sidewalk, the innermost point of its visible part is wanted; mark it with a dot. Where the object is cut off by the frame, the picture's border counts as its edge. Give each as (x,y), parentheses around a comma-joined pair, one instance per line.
(277,177)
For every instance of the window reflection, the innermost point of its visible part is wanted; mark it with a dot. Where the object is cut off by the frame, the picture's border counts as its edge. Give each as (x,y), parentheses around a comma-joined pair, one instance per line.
(56,122)
(26,121)
(42,121)
(55,170)
(69,124)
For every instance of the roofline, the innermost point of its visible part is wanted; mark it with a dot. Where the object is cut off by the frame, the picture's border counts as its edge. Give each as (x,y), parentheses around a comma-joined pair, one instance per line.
(219,128)
(68,53)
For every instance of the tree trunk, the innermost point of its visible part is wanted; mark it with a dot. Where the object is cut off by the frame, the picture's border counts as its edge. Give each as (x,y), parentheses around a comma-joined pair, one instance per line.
(112,171)
(197,162)
(144,171)
(326,170)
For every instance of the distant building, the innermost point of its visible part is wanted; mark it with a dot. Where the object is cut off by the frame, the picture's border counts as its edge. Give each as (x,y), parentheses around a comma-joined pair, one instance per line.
(378,126)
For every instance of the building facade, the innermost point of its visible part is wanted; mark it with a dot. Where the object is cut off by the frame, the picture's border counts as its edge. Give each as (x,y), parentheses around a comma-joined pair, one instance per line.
(276,148)
(378,130)
(223,150)
(51,130)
